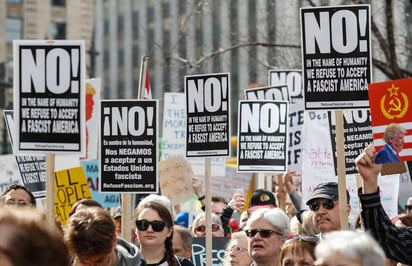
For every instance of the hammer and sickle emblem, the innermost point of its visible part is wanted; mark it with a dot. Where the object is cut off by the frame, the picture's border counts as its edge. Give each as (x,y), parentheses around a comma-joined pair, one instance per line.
(396,105)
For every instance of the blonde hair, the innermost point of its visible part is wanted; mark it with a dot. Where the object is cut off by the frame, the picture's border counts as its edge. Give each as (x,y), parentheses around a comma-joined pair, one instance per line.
(391,130)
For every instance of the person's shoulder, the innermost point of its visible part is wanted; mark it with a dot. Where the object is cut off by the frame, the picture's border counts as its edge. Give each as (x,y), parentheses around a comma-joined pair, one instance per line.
(184,262)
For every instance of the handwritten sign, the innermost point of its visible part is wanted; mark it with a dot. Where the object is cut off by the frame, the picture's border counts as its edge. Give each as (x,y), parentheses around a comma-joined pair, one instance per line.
(70,186)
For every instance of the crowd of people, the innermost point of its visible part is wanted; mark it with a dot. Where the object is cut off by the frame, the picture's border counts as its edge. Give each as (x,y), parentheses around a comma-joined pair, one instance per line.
(264,233)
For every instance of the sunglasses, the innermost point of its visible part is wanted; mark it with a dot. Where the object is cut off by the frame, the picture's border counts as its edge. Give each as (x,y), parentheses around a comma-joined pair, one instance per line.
(408,207)
(202,228)
(237,249)
(157,226)
(310,239)
(265,233)
(315,204)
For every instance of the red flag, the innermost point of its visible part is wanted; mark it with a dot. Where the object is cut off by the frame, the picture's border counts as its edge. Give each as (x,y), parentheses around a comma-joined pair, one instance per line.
(147,94)
(390,103)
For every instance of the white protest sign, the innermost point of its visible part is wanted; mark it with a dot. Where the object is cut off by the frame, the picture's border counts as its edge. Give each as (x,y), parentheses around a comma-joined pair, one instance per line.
(128,153)
(49,95)
(293,80)
(208,115)
(262,136)
(336,56)
(277,93)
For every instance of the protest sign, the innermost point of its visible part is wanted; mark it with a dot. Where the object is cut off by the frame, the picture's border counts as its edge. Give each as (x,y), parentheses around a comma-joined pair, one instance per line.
(176,176)
(32,168)
(49,86)
(199,251)
(277,93)
(357,133)
(389,103)
(296,119)
(207,112)
(336,56)
(92,117)
(293,80)
(262,136)
(70,186)
(128,153)
(9,173)
(91,170)
(174,125)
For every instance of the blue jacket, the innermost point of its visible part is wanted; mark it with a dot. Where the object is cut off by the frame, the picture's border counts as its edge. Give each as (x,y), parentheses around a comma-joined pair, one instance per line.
(386,155)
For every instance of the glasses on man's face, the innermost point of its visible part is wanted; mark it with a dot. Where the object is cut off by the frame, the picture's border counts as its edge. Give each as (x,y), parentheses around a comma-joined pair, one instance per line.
(237,249)
(202,228)
(20,203)
(314,205)
(265,233)
(310,239)
(408,208)
(157,226)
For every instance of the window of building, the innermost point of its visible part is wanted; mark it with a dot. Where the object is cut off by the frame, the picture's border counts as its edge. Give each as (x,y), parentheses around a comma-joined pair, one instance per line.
(57,31)
(58,2)
(14,29)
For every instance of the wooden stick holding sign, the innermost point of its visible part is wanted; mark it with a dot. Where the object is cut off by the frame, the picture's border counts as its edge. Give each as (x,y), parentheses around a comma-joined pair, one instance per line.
(50,212)
(208,215)
(340,141)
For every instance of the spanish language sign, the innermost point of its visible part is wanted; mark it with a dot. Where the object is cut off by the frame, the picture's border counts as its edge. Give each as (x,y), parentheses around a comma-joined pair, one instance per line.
(32,168)
(207,112)
(70,186)
(91,170)
(262,136)
(128,153)
(49,83)
(279,93)
(293,80)
(357,133)
(336,56)
(390,103)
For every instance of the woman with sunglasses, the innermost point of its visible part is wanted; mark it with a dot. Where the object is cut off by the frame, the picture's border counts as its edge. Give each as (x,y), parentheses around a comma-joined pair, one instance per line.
(236,253)
(267,231)
(199,229)
(154,229)
(299,251)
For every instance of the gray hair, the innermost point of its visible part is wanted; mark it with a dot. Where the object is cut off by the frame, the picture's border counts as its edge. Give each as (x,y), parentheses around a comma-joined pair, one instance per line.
(276,217)
(353,245)
(185,234)
(200,216)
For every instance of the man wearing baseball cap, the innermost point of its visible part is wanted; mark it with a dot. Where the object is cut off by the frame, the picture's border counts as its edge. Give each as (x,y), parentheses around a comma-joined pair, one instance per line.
(262,199)
(324,203)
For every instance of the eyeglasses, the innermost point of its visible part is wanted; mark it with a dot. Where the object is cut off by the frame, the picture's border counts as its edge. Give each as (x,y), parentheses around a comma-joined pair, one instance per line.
(265,233)
(202,228)
(237,249)
(408,207)
(17,203)
(315,204)
(157,226)
(310,239)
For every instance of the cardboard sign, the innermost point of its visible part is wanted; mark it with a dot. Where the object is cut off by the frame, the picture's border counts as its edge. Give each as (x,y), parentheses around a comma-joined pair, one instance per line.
(208,119)
(176,176)
(128,154)
(49,86)
(107,200)
(32,168)
(174,126)
(336,56)
(276,93)
(262,136)
(293,80)
(357,133)
(199,250)
(70,186)
(390,102)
